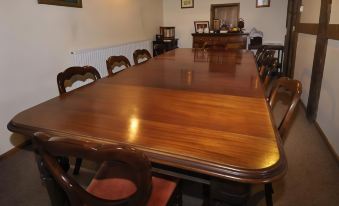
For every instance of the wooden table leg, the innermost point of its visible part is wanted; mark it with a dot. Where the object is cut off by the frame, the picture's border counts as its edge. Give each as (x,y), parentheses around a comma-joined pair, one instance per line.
(229,193)
(268,194)
(57,196)
(77,166)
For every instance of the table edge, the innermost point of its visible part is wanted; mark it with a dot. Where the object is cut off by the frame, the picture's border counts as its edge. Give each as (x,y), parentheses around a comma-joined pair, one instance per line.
(253,176)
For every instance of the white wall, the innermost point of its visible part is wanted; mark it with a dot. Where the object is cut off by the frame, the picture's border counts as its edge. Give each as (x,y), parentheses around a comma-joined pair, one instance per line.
(270,20)
(36,40)
(304,63)
(311,11)
(306,47)
(328,111)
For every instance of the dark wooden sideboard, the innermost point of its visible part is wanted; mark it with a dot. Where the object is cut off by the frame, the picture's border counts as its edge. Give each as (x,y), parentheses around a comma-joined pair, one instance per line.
(161,46)
(231,40)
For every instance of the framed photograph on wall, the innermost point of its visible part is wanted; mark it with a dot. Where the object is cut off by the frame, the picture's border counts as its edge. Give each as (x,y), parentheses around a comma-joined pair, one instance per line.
(263,3)
(202,27)
(70,3)
(185,4)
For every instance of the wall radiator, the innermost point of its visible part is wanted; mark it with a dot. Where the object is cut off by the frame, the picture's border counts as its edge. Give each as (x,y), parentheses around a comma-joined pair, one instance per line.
(97,57)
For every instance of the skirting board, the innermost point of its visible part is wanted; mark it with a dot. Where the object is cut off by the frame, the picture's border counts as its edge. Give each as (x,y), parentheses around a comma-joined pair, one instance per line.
(15,149)
(324,137)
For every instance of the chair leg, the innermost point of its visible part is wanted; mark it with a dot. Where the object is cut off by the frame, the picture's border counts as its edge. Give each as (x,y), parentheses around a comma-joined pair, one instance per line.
(77,166)
(268,194)
(206,195)
(176,199)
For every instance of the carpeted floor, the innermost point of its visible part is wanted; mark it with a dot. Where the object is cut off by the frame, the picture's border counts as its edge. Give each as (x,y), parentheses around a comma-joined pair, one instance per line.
(312,177)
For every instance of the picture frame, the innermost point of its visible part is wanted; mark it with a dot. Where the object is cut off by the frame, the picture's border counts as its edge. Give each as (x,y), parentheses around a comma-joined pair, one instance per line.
(202,27)
(263,3)
(69,3)
(216,25)
(186,4)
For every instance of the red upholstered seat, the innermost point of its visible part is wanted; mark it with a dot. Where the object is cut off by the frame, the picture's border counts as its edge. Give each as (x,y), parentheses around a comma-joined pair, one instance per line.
(110,184)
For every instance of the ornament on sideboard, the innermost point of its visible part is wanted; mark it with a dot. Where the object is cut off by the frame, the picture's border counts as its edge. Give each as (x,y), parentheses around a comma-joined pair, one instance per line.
(241,24)
(216,26)
(167,33)
(202,27)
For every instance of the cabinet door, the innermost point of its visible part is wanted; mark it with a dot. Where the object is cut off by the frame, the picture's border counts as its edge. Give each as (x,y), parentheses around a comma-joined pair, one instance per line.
(236,45)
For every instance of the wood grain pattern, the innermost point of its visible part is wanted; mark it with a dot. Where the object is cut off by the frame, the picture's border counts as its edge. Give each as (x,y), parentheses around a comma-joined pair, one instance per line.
(319,60)
(230,40)
(307,28)
(296,15)
(333,31)
(205,116)
(232,72)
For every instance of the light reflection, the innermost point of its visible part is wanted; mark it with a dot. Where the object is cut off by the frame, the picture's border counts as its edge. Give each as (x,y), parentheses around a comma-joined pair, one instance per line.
(257,83)
(133,129)
(187,76)
(270,160)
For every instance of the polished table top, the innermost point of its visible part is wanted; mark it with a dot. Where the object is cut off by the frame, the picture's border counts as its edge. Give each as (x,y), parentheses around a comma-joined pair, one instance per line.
(203,111)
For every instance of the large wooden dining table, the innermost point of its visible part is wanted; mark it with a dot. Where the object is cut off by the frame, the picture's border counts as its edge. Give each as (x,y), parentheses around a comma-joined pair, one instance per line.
(202,111)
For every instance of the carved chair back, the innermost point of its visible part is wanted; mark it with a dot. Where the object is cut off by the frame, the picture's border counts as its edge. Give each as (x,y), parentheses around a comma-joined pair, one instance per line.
(264,57)
(267,69)
(293,86)
(116,61)
(159,49)
(141,54)
(137,168)
(69,73)
(259,52)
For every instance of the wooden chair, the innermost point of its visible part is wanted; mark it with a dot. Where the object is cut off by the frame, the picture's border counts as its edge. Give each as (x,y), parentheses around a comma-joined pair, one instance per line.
(263,58)
(267,69)
(141,54)
(295,87)
(116,61)
(208,45)
(68,74)
(272,68)
(159,49)
(123,179)
(259,52)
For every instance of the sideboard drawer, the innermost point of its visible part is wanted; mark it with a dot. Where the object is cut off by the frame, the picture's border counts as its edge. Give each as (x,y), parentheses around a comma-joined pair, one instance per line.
(234,41)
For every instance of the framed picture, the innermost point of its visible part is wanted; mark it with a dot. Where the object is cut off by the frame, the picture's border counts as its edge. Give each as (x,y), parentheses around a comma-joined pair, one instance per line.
(263,3)
(202,27)
(216,24)
(70,3)
(187,4)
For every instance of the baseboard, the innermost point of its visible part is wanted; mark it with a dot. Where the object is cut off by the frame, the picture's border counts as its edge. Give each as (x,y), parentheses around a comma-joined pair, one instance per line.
(323,135)
(15,149)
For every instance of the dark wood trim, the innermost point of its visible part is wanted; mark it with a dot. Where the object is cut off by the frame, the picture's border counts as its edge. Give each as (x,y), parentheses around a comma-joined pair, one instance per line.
(288,38)
(15,149)
(294,39)
(333,31)
(306,28)
(319,60)
(77,4)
